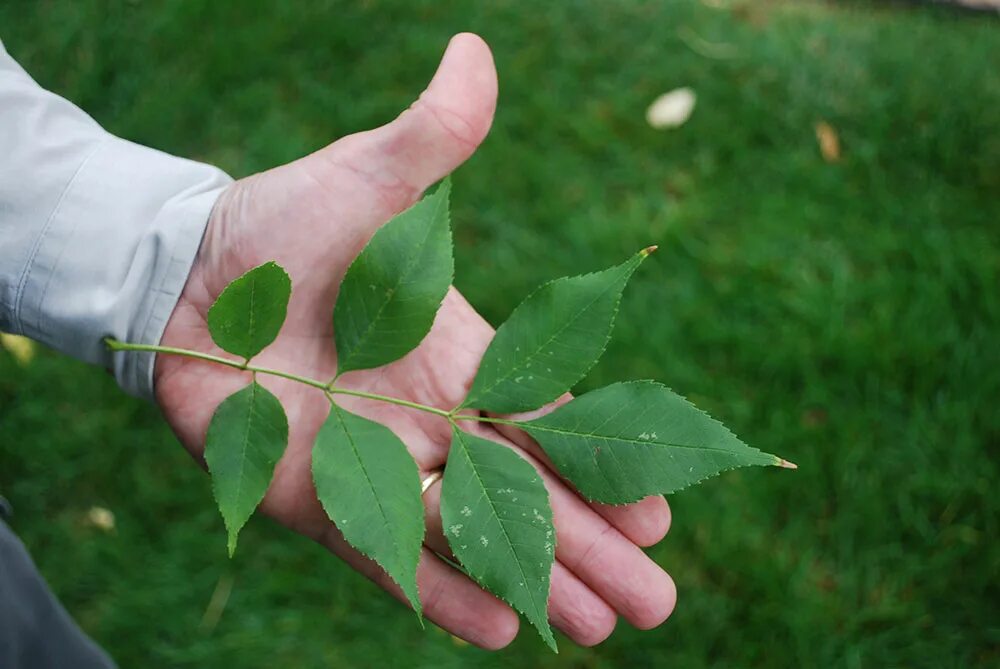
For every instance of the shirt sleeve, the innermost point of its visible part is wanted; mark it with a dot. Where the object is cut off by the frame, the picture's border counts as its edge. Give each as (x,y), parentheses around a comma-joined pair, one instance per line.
(97,234)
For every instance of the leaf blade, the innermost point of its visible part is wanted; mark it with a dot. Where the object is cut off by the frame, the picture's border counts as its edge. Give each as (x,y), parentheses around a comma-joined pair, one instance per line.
(496,514)
(249,313)
(369,487)
(393,289)
(625,441)
(550,341)
(246,437)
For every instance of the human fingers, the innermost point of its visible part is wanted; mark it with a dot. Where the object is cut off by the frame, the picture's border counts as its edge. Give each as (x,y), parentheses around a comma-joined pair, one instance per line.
(603,558)
(449,598)
(573,608)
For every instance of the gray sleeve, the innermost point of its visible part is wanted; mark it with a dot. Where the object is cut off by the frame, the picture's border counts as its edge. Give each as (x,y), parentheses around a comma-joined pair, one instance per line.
(35,630)
(97,234)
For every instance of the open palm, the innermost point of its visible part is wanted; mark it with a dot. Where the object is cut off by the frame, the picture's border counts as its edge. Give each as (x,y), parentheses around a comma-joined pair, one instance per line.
(313,217)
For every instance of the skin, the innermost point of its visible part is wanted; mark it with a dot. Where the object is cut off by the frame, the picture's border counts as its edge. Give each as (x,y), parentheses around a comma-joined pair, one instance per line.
(313,216)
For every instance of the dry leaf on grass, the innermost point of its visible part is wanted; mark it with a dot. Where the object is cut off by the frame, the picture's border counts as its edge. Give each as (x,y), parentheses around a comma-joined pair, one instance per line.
(829,142)
(671,110)
(101,518)
(22,348)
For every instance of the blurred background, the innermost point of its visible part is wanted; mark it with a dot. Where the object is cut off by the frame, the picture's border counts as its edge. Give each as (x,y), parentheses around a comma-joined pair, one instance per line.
(827,285)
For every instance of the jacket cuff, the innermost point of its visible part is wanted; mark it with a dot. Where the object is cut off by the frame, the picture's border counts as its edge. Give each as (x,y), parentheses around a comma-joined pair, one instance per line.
(116,253)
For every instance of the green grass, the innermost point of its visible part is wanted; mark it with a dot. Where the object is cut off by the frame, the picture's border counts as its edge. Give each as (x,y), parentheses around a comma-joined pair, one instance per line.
(846,316)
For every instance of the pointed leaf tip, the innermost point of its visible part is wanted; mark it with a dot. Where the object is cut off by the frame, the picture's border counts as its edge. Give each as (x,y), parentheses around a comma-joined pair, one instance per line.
(498,521)
(786,464)
(369,487)
(649,250)
(246,437)
(625,441)
(550,341)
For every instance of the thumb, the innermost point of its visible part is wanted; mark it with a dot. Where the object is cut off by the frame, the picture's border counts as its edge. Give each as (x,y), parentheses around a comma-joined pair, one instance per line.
(434,136)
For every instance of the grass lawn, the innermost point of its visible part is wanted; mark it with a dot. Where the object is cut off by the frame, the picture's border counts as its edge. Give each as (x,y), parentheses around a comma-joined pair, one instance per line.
(845,315)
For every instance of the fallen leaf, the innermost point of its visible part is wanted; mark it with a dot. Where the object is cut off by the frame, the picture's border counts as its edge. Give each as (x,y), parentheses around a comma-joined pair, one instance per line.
(101,518)
(829,142)
(22,348)
(671,110)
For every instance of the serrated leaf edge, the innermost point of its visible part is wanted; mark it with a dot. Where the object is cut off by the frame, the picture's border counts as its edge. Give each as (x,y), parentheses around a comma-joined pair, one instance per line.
(531,424)
(231,532)
(208,315)
(548,638)
(446,203)
(640,256)
(417,605)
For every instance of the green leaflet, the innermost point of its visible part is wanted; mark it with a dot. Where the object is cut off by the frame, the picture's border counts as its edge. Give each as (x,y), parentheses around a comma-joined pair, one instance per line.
(370,488)
(622,442)
(550,341)
(496,516)
(392,291)
(251,310)
(246,438)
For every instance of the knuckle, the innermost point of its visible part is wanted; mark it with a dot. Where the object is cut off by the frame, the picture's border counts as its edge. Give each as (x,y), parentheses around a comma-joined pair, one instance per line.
(594,550)
(453,124)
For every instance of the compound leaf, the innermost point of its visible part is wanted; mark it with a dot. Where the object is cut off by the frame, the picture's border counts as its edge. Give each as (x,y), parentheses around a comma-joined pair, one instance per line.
(496,515)
(550,341)
(392,290)
(251,310)
(369,486)
(625,441)
(246,438)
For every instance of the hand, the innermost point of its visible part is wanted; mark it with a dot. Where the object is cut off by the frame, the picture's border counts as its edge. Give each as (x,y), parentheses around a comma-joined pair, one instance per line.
(313,216)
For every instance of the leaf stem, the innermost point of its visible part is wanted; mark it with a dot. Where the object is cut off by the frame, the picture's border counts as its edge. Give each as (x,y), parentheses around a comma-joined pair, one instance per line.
(487,419)
(391,400)
(116,345)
